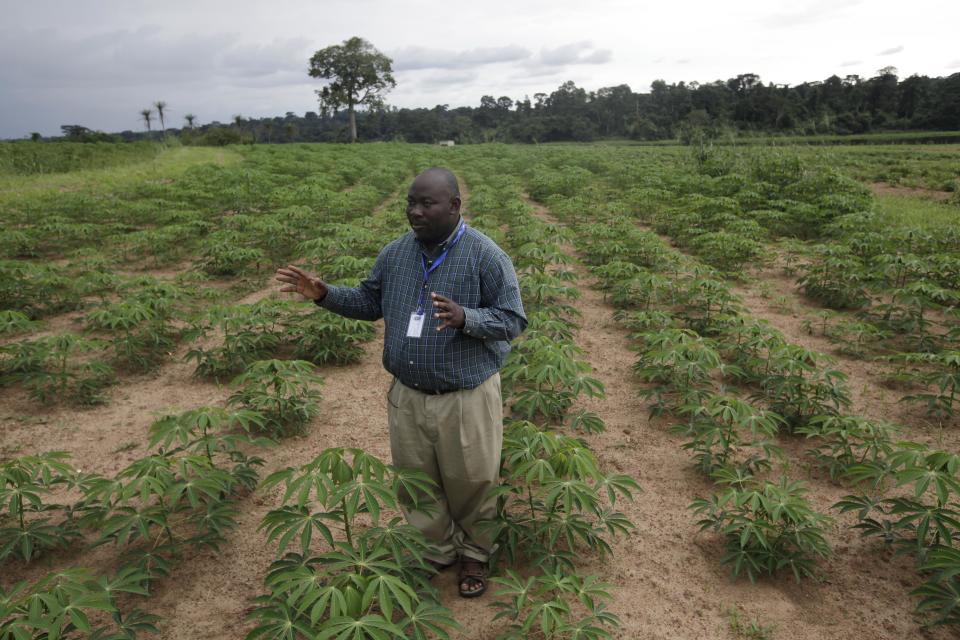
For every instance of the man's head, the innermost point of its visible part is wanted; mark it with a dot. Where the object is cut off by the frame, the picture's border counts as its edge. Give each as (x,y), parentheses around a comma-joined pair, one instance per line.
(433,205)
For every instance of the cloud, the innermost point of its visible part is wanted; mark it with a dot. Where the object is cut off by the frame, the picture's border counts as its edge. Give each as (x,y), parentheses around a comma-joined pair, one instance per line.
(146,56)
(573,53)
(417,58)
(954,65)
(891,51)
(851,63)
(446,79)
(683,61)
(809,13)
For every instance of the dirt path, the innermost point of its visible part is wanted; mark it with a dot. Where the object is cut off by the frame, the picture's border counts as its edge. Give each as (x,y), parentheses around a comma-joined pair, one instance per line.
(668,579)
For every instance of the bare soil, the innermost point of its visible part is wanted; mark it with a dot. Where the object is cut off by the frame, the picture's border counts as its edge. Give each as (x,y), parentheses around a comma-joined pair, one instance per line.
(666,577)
(884,189)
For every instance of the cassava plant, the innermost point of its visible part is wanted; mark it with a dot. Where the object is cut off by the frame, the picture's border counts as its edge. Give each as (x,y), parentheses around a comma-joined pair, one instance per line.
(49,368)
(371,581)
(543,377)
(182,496)
(844,441)
(725,431)
(681,364)
(554,606)
(322,337)
(940,374)
(75,603)
(250,333)
(768,526)
(281,393)
(30,521)
(554,500)
(798,385)
(927,515)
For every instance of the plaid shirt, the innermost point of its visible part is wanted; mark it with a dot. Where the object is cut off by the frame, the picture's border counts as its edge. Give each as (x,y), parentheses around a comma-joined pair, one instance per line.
(476,274)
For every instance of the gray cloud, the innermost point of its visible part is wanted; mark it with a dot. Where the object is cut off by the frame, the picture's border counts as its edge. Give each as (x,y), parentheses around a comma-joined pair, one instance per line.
(416,58)
(851,63)
(891,51)
(144,56)
(954,65)
(574,53)
(446,79)
(808,13)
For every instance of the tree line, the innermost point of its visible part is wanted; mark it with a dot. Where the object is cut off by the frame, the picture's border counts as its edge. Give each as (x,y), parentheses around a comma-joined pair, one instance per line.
(743,104)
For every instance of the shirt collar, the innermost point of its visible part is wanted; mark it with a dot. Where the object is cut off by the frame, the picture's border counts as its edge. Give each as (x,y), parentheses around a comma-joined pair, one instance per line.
(443,245)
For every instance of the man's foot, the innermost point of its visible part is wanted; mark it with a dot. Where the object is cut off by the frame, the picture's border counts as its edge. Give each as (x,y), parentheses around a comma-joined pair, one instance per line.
(473,578)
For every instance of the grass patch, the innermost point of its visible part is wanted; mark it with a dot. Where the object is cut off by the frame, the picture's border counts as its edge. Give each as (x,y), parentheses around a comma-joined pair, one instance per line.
(169,162)
(915,211)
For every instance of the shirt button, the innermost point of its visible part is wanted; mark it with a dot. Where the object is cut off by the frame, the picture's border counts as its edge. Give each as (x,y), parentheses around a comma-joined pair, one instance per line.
(415,384)
(411,362)
(424,286)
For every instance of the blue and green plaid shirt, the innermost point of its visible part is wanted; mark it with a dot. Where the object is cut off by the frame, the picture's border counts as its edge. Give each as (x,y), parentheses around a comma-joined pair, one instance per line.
(476,274)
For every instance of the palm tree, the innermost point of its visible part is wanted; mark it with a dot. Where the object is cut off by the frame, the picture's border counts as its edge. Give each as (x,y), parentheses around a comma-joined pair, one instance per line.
(161,105)
(147,114)
(190,118)
(290,129)
(268,127)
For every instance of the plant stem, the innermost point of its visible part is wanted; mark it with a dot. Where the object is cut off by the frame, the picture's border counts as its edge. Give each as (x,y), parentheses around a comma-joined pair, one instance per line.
(346,522)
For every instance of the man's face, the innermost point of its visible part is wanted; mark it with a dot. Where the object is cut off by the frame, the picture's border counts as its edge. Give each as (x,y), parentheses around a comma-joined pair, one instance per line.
(431,212)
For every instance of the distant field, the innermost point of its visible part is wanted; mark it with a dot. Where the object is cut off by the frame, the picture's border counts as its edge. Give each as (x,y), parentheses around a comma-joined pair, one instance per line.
(763,338)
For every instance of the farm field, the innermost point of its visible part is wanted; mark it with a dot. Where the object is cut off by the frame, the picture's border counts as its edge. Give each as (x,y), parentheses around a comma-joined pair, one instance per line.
(736,403)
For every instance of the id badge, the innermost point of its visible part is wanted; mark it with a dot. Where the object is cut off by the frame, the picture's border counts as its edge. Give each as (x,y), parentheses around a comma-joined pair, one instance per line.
(415,328)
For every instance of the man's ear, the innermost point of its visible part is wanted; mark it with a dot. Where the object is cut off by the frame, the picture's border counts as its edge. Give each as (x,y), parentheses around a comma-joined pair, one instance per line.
(455,203)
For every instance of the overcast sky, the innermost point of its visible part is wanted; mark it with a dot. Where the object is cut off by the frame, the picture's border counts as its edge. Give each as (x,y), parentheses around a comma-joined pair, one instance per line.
(99,63)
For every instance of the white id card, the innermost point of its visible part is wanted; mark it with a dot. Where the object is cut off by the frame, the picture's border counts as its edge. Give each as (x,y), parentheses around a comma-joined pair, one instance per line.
(415,328)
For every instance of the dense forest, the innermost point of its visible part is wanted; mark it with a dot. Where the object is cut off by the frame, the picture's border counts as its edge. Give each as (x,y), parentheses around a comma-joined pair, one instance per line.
(744,104)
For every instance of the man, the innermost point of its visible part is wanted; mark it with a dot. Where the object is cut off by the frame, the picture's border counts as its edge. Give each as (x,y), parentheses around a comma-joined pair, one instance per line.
(451,305)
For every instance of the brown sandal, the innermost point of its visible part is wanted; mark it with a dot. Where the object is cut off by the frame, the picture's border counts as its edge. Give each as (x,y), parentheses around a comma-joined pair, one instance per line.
(472,573)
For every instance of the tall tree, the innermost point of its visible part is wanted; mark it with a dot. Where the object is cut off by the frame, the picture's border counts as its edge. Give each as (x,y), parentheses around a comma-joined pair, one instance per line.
(147,114)
(161,105)
(359,75)
(190,118)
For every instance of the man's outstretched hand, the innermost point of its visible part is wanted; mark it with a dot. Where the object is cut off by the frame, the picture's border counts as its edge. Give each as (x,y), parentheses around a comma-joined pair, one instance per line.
(298,280)
(449,312)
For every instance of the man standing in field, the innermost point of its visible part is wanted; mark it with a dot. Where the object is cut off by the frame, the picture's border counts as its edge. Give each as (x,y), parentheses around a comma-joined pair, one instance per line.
(451,305)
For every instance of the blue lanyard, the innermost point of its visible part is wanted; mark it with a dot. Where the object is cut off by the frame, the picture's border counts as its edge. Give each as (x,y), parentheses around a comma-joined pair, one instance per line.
(436,263)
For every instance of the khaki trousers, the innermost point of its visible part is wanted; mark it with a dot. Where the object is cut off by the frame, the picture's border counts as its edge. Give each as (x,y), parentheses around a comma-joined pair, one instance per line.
(454,438)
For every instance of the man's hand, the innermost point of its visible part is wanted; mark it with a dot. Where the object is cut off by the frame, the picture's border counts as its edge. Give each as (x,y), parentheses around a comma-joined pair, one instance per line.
(307,285)
(449,312)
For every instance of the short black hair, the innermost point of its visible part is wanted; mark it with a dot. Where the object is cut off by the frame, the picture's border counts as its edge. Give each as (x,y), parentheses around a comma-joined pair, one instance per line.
(452,185)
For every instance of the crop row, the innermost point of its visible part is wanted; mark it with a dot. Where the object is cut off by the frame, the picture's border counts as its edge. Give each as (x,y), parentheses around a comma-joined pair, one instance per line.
(735,383)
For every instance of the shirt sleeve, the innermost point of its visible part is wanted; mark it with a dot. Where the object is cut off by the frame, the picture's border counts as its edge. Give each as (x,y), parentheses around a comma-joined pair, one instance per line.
(500,315)
(363,302)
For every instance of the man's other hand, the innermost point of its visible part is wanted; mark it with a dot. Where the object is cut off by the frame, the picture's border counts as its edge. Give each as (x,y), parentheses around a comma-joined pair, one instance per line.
(299,281)
(448,312)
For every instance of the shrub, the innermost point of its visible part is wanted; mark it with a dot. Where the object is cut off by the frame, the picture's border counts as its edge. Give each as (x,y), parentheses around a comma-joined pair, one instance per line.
(281,392)
(768,526)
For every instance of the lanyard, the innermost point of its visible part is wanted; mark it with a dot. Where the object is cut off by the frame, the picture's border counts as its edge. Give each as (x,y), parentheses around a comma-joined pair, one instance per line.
(436,263)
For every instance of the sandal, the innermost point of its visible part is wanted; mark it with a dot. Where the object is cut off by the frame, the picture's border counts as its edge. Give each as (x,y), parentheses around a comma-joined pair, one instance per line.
(472,573)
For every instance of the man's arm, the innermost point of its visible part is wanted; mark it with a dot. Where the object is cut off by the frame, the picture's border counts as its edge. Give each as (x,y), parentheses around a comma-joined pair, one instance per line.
(500,315)
(360,303)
